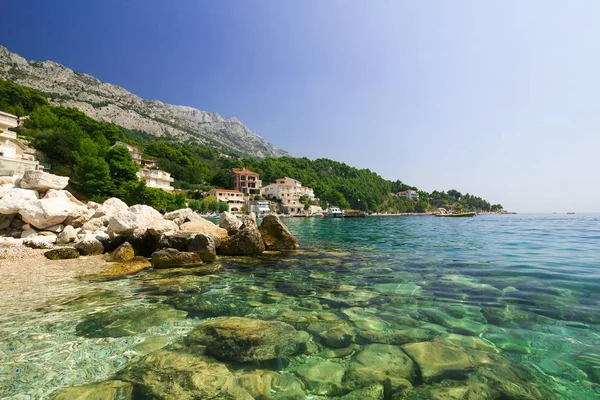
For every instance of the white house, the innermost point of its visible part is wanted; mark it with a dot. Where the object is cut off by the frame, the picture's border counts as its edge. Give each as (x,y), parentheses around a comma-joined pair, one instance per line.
(16,156)
(410,194)
(288,191)
(154,177)
(234,198)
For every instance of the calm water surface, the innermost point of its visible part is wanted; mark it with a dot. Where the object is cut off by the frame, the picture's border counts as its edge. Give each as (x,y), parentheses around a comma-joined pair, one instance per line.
(523,288)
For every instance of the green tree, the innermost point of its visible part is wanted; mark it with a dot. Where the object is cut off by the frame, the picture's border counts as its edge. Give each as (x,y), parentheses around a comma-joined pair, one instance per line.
(122,167)
(93,177)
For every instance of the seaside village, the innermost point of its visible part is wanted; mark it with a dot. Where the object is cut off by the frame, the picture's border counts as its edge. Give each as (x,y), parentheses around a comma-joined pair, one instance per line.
(37,211)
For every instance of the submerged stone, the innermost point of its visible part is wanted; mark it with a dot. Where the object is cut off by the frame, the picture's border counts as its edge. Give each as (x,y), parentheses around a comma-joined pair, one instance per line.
(398,337)
(246,339)
(170,374)
(109,390)
(438,360)
(270,385)
(321,377)
(62,253)
(125,322)
(381,364)
(364,319)
(373,392)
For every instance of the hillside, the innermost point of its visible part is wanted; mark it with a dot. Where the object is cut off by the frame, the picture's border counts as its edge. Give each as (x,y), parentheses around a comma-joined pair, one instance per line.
(111,103)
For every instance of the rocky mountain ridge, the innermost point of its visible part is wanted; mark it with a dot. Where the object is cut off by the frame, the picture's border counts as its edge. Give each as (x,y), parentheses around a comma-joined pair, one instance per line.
(111,103)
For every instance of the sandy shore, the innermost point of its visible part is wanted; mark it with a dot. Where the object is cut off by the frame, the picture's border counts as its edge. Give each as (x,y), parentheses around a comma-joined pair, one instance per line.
(28,279)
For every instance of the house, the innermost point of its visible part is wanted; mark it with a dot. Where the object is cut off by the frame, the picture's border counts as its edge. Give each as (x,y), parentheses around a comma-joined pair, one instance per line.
(16,156)
(410,194)
(259,207)
(288,192)
(234,198)
(246,181)
(149,172)
(156,178)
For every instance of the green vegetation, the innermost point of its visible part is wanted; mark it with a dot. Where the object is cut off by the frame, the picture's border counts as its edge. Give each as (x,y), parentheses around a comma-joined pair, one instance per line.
(80,147)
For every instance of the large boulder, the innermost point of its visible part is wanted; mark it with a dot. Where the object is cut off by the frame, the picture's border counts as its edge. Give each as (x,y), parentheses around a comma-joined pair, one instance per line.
(123,253)
(248,339)
(204,246)
(12,200)
(42,181)
(96,224)
(62,253)
(5,188)
(176,240)
(201,225)
(276,235)
(229,222)
(79,215)
(68,235)
(180,216)
(89,245)
(109,208)
(135,218)
(99,390)
(162,226)
(45,212)
(248,241)
(171,258)
(62,193)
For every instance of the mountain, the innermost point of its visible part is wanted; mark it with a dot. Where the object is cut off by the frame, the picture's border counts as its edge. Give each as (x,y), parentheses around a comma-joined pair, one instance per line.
(111,103)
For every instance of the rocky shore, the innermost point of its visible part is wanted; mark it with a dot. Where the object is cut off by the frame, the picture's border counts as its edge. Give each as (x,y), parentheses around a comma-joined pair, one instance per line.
(36,212)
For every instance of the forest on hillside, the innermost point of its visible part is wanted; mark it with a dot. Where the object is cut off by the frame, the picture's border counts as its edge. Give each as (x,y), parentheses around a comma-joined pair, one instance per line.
(80,147)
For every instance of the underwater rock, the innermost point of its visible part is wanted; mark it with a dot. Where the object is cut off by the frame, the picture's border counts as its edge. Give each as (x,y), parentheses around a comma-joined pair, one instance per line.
(373,392)
(364,319)
(383,364)
(448,390)
(170,258)
(339,336)
(321,377)
(506,382)
(247,242)
(172,374)
(122,253)
(117,270)
(439,360)
(398,289)
(205,306)
(117,390)
(270,385)
(124,322)
(399,337)
(247,339)
(463,326)
(276,235)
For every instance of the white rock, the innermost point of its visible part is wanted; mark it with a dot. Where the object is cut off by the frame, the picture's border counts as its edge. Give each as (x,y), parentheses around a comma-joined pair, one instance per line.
(68,235)
(135,219)
(4,180)
(40,242)
(45,212)
(229,222)
(63,193)
(10,242)
(95,224)
(162,226)
(89,245)
(29,232)
(5,188)
(12,201)
(79,215)
(56,228)
(181,214)
(43,181)
(110,207)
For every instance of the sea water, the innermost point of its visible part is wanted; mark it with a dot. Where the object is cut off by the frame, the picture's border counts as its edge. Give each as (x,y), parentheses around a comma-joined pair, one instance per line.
(520,291)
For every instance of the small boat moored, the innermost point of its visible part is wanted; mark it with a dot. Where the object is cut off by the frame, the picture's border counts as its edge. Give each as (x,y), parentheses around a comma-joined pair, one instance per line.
(457,215)
(335,212)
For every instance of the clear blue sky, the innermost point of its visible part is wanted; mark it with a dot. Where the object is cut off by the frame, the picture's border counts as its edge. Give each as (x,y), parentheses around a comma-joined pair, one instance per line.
(499,99)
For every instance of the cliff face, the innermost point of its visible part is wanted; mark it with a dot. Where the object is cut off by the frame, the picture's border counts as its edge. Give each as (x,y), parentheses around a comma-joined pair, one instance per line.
(110,103)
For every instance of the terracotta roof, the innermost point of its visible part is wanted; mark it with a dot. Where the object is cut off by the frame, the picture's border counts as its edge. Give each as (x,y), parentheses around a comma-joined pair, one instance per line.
(225,191)
(239,171)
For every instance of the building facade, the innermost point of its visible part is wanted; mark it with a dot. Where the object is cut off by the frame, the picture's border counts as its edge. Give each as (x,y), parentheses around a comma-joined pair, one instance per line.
(410,194)
(246,181)
(288,192)
(16,156)
(234,198)
(259,207)
(149,172)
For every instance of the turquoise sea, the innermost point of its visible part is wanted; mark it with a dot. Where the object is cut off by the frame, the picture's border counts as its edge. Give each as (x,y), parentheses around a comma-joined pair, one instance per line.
(490,307)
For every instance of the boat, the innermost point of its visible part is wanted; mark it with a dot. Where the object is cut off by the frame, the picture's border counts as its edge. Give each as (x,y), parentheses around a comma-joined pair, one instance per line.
(570,213)
(318,214)
(335,212)
(457,215)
